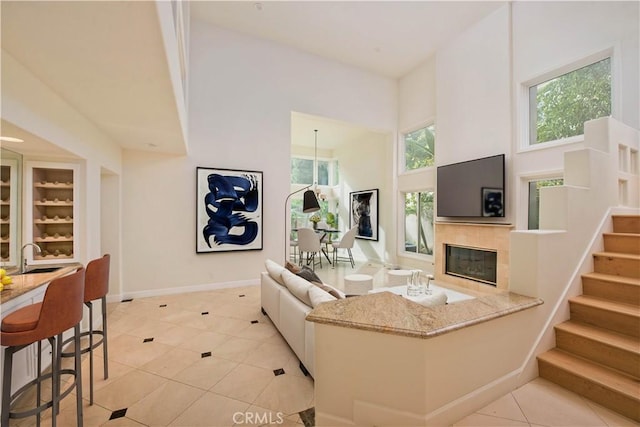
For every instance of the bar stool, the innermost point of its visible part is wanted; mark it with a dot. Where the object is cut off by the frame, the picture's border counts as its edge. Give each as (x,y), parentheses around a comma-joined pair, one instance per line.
(60,310)
(96,286)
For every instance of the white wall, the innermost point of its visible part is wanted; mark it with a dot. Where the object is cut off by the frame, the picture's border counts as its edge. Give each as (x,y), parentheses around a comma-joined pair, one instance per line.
(549,35)
(32,106)
(242,93)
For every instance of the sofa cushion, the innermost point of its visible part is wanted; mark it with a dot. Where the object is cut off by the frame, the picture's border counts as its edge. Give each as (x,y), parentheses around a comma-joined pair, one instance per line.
(304,272)
(298,286)
(275,270)
(318,296)
(330,290)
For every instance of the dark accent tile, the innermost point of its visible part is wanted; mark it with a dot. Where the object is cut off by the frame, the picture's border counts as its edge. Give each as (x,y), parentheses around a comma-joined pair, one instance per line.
(163,305)
(277,372)
(205,354)
(308,417)
(118,414)
(204,313)
(241,295)
(147,340)
(127,300)
(253,322)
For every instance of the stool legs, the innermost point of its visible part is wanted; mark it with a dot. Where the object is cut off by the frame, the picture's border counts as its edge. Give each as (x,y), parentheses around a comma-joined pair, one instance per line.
(56,372)
(105,341)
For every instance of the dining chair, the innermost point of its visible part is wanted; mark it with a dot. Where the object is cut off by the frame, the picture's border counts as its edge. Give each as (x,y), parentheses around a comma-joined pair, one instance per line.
(346,242)
(309,242)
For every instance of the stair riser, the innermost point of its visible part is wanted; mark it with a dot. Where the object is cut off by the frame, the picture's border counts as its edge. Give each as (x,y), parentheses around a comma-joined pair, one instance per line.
(626,224)
(617,322)
(620,292)
(618,402)
(623,267)
(622,243)
(616,358)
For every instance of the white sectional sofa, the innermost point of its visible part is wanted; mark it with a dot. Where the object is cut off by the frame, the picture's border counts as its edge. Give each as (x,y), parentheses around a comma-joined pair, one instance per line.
(287,299)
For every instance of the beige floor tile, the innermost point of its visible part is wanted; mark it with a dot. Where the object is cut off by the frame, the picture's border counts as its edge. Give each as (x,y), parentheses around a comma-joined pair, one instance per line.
(149,328)
(270,355)
(206,341)
(504,407)
(123,422)
(481,420)
(238,311)
(225,325)
(545,403)
(244,383)
(611,418)
(133,351)
(259,331)
(172,362)
(237,349)
(126,391)
(292,367)
(175,335)
(211,410)
(164,404)
(287,393)
(206,372)
(116,370)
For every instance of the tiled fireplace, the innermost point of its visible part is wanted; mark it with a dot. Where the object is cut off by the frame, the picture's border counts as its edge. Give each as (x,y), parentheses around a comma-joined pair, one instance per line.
(479,255)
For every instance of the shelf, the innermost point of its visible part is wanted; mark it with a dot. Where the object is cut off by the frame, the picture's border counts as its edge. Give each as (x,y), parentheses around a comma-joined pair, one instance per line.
(54,185)
(52,203)
(53,239)
(51,257)
(53,221)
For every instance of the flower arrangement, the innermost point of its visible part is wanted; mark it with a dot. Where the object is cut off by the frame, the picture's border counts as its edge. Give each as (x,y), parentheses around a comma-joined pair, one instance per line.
(315,218)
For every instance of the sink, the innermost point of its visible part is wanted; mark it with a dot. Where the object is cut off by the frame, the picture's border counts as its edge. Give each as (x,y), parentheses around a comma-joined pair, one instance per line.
(42,270)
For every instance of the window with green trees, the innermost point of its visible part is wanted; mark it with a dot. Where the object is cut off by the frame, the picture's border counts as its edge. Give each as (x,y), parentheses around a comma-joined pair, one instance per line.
(560,106)
(534,199)
(418,220)
(419,148)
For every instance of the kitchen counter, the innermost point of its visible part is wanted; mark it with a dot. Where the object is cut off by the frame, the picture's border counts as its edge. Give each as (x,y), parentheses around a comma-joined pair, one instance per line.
(392,314)
(24,283)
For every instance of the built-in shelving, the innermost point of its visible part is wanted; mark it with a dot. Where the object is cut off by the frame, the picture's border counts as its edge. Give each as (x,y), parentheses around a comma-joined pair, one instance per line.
(8,213)
(52,211)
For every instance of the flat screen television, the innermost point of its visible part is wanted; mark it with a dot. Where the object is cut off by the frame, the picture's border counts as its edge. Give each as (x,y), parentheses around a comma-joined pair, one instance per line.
(472,189)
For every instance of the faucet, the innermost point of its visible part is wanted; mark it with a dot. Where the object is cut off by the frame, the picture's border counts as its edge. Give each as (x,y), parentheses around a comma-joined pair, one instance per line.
(23,260)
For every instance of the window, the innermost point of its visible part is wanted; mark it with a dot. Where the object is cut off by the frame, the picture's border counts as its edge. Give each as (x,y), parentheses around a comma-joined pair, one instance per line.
(419,148)
(301,171)
(560,106)
(534,199)
(418,220)
(323,172)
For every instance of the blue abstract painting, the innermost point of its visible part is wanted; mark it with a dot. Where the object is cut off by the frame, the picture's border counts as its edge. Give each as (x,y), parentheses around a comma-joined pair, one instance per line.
(229,210)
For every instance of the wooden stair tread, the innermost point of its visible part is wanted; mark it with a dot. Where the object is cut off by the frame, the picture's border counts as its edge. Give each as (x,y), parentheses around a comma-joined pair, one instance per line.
(616,255)
(609,305)
(625,234)
(613,278)
(605,336)
(605,377)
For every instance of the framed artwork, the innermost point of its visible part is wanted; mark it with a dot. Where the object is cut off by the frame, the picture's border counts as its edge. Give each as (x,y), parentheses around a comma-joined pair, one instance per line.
(492,204)
(228,210)
(363,212)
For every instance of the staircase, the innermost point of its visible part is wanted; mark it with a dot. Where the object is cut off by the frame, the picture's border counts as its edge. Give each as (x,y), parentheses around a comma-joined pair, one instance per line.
(597,353)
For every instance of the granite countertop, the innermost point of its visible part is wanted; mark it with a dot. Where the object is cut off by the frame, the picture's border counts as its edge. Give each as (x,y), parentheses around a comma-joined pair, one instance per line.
(389,313)
(23,283)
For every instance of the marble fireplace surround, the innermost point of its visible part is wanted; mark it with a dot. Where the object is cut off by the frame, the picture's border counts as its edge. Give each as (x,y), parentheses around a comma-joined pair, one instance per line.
(494,237)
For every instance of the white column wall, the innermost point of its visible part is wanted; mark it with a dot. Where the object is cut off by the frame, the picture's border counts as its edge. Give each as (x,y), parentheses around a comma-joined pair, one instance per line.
(242,93)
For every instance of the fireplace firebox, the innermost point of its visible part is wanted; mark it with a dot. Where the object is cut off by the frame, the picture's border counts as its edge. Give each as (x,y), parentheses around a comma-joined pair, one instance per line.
(472,263)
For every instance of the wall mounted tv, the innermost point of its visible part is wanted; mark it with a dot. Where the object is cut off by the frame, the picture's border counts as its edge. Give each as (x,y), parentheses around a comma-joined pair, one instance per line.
(472,189)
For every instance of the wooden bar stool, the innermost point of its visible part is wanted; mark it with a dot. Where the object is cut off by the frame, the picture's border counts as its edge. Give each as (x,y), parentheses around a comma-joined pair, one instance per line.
(96,286)
(60,310)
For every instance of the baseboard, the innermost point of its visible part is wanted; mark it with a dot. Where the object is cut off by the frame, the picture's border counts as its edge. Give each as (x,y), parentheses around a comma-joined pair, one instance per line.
(182,290)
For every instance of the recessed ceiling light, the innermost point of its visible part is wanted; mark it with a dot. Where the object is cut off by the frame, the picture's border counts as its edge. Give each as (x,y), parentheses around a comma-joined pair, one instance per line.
(10,139)
(258,6)
(152,145)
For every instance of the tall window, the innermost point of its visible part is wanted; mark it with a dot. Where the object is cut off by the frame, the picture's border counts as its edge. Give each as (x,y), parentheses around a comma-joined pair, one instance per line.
(418,220)
(559,107)
(301,171)
(419,148)
(534,199)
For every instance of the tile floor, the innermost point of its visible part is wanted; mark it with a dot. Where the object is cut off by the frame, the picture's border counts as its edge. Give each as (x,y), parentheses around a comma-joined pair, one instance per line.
(212,359)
